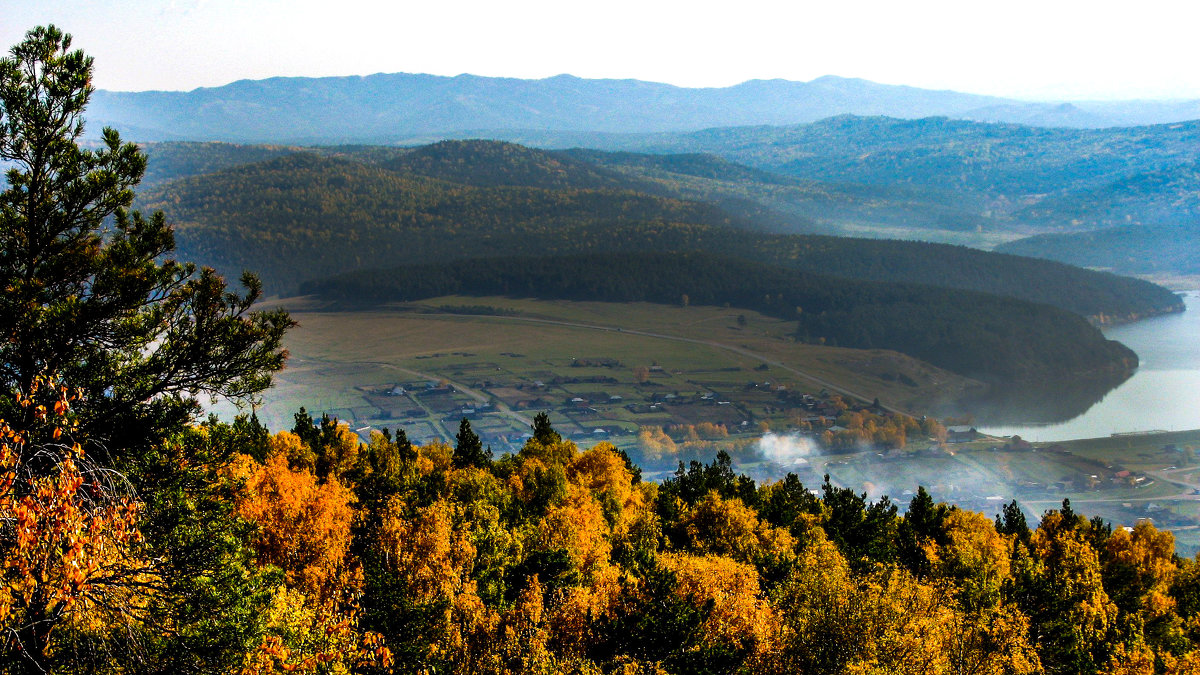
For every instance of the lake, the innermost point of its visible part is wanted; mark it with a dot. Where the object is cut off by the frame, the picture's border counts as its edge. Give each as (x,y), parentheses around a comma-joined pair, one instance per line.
(1164,393)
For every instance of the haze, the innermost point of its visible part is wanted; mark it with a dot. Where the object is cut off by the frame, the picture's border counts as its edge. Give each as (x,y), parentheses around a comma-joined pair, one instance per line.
(1022,48)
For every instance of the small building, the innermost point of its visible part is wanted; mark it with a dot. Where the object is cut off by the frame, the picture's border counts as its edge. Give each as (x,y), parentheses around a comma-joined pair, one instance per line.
(961,434)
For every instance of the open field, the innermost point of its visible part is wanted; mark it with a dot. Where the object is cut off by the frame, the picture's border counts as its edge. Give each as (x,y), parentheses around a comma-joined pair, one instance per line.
(593,366)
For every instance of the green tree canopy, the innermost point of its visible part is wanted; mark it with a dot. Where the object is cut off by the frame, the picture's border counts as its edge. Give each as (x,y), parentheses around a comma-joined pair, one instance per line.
(468,450)
(90,292)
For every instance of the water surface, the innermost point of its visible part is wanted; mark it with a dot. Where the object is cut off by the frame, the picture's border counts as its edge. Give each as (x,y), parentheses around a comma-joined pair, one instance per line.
(1164,393)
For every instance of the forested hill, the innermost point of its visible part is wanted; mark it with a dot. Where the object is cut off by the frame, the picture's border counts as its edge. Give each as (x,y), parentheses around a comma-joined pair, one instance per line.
(304,216)
(1102,296)
(167,162)
(1057,177)
(1138,249)
(979,335)
(483,163)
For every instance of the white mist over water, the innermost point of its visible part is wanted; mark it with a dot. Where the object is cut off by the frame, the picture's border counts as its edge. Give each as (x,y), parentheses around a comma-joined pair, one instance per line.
(787,449)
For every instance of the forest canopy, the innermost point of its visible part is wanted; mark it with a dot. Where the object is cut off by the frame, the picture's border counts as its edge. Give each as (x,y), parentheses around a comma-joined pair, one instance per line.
(305,214)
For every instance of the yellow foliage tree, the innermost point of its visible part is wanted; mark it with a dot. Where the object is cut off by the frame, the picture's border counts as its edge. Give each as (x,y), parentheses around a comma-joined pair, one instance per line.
(655,444)
(70,550)
(728,527)
(1143,557)
(577,526)
(886,622)
(740,614)
(976,557)
(303,525)
(303,638)
(432,559)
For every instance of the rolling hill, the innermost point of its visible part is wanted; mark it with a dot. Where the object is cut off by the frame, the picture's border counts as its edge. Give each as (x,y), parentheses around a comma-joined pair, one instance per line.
(940,180)
(982,336)
(1136,249)
(306,216)
(369,224)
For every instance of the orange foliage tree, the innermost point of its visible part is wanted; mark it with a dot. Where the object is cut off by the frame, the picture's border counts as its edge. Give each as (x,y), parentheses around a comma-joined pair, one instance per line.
(303,524)
(70,558)
(304,528)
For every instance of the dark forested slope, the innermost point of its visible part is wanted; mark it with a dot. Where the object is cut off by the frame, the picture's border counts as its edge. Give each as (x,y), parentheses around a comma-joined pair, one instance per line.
(304,216)
(1137,249)
(484,163)
(975,334)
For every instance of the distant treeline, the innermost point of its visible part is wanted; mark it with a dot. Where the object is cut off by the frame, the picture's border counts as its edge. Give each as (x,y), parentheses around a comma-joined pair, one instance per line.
(975,334)
(1139,249)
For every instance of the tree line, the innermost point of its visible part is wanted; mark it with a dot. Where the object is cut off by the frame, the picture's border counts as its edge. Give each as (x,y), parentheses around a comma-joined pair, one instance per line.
(985,336)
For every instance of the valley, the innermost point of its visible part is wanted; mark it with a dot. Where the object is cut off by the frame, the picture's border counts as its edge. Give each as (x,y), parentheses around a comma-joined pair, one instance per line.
(494,376)
(670,384)
(632,365)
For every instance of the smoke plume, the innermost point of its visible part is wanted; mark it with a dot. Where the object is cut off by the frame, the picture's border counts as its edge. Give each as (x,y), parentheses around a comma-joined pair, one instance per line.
(787,449)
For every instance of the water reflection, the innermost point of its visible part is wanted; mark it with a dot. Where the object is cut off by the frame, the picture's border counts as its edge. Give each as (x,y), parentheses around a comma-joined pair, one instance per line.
(1037,404)
(1164,393)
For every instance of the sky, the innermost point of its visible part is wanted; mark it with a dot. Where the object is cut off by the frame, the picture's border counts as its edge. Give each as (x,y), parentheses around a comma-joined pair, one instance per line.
(1032,49)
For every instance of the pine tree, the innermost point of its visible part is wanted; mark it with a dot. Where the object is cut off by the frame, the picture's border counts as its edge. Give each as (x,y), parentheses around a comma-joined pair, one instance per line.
(468,451)
(91,294)
(92,299)
(543,432)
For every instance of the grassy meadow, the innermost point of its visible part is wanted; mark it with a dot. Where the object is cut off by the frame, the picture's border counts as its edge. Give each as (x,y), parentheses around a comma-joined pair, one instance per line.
(347,363)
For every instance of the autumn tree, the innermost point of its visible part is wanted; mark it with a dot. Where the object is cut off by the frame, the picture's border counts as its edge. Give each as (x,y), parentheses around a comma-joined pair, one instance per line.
(71,559)
(303,524)
(1059,586)
(652,624)
(1138,571)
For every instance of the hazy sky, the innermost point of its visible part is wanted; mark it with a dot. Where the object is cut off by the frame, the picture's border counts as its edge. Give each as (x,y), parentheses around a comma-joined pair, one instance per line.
(1048,49)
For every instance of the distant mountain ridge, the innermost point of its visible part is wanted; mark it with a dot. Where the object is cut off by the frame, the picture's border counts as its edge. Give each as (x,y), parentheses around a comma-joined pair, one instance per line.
(386,108)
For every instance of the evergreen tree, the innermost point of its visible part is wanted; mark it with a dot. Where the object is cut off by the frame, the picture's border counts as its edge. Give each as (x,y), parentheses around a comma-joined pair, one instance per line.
(542,431)
(91,294)
(468,449)
(1012,521)
(93,299)
(924,522)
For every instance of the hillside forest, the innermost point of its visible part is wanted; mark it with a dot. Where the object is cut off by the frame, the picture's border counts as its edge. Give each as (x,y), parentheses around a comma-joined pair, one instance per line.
(361,225)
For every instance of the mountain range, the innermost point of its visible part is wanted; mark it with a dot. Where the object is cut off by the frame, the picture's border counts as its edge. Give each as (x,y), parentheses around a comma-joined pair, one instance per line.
(390,108)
